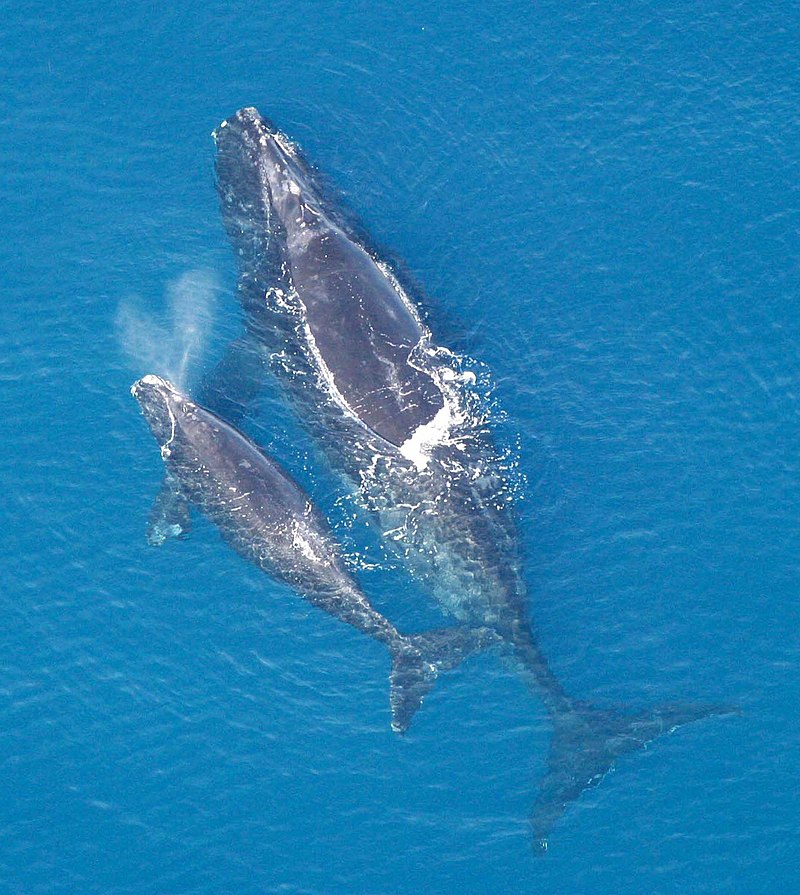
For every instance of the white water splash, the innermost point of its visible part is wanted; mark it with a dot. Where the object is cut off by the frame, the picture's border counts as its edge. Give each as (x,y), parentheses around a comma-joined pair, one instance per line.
(173,341)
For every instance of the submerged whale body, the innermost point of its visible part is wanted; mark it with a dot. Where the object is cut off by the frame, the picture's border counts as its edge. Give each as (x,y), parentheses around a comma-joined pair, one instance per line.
(397,416)
(268,519)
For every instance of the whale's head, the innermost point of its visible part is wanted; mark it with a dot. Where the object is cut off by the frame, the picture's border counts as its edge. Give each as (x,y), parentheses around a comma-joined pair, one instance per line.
(162,405)
(261,177)
(244,143)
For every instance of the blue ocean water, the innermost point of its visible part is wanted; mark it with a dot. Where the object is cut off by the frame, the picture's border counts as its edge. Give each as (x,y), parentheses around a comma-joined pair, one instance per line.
(599,204)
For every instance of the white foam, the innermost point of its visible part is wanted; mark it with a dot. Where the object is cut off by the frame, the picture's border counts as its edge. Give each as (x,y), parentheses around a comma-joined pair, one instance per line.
(418,446)
(302,544)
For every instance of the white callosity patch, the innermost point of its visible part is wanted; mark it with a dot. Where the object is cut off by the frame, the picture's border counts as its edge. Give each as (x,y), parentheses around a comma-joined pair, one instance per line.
(166,390)
(152,379)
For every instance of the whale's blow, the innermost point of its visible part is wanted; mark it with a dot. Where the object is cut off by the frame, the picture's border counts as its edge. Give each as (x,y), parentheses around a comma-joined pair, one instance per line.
(175,339)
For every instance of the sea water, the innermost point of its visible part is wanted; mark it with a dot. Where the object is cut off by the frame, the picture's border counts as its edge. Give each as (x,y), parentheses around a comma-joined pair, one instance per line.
(599,205)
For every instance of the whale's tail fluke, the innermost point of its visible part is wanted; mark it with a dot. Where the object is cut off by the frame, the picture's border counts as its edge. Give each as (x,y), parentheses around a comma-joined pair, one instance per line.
(417,660)
(587,742)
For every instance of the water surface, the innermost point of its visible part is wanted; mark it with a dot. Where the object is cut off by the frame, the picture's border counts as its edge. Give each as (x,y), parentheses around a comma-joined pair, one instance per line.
(599,205)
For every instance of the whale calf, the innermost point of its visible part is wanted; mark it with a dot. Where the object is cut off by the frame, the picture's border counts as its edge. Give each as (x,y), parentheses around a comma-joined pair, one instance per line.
(269,520)
(397,416)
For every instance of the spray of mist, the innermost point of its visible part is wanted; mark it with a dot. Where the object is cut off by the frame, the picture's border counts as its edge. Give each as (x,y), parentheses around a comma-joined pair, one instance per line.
(172,343)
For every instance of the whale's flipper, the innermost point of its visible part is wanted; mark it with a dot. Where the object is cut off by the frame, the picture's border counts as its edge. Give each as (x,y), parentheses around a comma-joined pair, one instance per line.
(417,660)
(586,743)
(169,515)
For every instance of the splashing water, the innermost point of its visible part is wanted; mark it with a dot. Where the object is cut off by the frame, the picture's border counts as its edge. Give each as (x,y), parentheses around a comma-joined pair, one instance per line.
(173,344)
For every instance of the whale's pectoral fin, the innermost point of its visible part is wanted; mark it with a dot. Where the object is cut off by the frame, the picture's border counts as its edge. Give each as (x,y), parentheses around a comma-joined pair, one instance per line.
(418,659)
(169,515)
(587,742)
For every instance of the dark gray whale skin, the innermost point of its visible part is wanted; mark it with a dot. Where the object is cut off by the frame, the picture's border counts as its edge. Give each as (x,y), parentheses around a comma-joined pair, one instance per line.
(364,375)
(371,355)
(270,521)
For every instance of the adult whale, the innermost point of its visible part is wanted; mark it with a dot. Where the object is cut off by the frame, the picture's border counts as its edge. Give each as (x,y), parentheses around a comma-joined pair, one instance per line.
(270,521)
(396,414)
